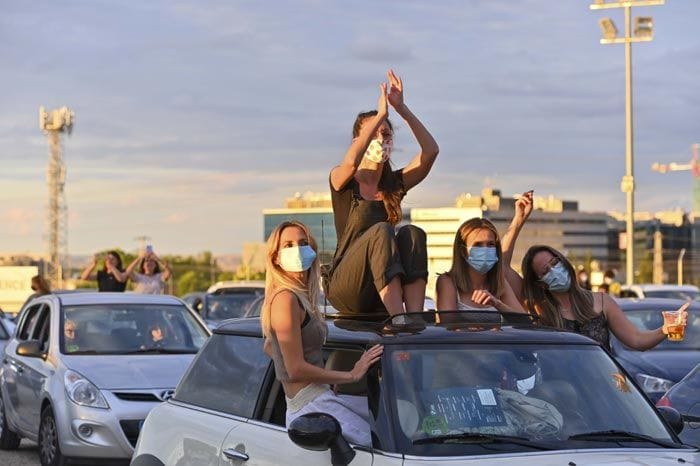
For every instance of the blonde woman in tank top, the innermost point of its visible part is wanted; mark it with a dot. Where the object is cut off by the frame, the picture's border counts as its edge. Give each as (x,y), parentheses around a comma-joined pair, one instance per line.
(476,281)
(295,331)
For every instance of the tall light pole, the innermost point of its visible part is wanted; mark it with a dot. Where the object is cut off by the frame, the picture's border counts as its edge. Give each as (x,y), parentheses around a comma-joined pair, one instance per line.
(643,32)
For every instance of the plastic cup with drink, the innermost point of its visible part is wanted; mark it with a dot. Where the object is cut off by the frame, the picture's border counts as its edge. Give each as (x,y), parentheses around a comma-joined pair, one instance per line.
(675,323)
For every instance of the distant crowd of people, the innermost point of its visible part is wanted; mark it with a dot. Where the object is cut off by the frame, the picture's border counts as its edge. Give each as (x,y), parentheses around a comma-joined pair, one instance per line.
(147,272)
(379,270)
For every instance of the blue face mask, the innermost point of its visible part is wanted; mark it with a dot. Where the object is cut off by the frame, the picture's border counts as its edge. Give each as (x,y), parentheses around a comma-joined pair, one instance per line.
(557,279)
(482,259)
(296,258)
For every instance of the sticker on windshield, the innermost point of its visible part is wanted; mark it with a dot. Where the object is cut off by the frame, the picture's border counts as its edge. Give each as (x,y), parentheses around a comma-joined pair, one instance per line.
(486,397)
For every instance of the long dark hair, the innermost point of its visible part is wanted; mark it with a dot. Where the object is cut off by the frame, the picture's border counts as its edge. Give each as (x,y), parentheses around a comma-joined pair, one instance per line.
(390,184)
(459,272)
(114,253)
(541,301)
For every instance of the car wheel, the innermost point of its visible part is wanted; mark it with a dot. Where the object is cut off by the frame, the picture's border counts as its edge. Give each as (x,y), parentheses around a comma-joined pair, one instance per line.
(49,449)
(8,439)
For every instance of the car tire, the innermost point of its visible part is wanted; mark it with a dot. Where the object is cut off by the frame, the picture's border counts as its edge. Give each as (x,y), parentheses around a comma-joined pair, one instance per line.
(8,439)
(49,448)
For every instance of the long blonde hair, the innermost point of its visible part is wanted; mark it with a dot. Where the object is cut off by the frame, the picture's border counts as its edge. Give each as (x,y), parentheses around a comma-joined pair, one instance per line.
(539,300)
(277,279)
(460,269)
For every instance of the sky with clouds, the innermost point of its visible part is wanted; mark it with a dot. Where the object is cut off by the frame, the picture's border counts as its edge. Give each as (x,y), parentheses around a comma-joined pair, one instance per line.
(191,117)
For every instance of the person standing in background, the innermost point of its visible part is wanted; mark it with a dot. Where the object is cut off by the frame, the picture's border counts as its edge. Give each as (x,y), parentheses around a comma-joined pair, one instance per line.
(152,275)
(112,277)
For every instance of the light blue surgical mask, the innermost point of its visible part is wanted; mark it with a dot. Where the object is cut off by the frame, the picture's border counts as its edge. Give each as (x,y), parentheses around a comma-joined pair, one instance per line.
(482,258)
(557,279)
(296,258)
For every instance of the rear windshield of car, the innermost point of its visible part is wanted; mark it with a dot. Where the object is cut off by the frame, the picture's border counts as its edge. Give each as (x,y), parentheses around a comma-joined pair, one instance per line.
(450,399)
(651,319)
(229,305)
(130,329)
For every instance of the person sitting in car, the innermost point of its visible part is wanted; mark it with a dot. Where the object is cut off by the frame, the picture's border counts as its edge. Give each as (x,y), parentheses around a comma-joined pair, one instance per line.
(295,331)
(69,335)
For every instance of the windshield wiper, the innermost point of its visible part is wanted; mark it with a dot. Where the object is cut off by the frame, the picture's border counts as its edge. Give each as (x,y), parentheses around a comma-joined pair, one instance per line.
(477,438)
(160,351)
(622,435)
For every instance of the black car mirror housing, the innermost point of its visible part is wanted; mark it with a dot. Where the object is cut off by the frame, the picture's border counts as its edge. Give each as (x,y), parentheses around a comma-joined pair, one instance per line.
(321,431)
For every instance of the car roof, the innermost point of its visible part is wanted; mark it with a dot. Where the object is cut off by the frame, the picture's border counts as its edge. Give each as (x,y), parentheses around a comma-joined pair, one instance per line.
(652,287)
(77,299)
(661,304)
(236,284)
(350,331)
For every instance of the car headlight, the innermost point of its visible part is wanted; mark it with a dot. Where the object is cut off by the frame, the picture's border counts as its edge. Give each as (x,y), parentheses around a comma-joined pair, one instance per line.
(651,384)
(83,392)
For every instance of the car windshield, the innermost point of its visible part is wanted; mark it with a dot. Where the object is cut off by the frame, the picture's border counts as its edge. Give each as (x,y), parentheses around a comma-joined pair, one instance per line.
(651,319)
(481,399)
(673,294)
(130,329)
(230,305)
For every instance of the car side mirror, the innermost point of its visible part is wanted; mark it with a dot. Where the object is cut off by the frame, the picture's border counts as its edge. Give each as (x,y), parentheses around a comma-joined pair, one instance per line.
(31,349)
(321,431)
(672,417)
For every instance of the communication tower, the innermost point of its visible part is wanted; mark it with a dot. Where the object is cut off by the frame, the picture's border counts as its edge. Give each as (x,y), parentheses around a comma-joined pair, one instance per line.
(53,123)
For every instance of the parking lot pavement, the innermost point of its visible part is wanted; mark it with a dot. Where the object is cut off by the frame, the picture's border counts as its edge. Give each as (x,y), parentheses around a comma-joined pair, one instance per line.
(26,455)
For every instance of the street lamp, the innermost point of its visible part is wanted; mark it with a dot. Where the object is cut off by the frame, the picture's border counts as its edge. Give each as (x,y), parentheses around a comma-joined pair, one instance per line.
(643,32)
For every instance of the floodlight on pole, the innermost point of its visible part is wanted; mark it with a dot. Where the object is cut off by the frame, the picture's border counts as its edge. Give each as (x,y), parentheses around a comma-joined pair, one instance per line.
(643,32)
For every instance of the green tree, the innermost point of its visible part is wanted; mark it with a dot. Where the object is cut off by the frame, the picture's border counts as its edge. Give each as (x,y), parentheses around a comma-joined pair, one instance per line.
(191,281)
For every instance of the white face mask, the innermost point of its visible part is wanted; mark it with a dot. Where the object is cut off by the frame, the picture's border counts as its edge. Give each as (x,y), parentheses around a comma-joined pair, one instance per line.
(379,151)
(296,258)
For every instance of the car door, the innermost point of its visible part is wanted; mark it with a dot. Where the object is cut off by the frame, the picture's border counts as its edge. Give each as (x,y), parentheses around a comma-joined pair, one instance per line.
(14,383)
(33,372)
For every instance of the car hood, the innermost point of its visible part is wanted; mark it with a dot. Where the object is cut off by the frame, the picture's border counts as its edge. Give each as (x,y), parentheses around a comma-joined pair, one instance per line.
(131,372)
(668,364)
(608,457)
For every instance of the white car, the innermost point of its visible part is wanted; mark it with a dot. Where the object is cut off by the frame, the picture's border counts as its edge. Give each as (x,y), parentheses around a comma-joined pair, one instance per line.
(457,393)
(687,292)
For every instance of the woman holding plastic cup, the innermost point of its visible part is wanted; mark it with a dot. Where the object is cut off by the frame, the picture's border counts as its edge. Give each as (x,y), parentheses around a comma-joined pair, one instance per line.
(549,289)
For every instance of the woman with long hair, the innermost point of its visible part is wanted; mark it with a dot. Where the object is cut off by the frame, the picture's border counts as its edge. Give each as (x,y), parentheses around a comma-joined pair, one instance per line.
(551,291)
(152,273)
(375,268)
(476,279)
(295,331)
(112,276)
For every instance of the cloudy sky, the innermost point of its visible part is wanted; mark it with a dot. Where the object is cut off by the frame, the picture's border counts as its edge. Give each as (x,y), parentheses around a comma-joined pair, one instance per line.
(191,117)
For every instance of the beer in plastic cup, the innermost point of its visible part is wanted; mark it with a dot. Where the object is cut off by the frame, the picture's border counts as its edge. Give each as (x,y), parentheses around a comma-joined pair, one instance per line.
(674,325)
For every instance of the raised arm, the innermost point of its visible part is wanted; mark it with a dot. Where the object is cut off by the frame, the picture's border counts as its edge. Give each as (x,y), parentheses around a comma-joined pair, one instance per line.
(136,262)
(628,333)
(343,173)
(165,268)
(88,270)
(419,167)
(523,209)
(286,319)
(118,274)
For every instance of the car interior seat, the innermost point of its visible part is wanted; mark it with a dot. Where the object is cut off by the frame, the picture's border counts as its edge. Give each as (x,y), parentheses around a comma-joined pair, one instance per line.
(344,360)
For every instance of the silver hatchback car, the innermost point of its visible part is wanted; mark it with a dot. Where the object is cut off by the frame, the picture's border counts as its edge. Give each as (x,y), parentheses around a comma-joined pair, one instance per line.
(83,370)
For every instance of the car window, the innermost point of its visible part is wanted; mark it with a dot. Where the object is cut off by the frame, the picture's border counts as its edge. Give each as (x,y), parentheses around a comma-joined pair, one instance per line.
(4,334)
(130,328)
(226,376)
(40,331)
(651,319)
(538,392)
(28,322)
(229,305)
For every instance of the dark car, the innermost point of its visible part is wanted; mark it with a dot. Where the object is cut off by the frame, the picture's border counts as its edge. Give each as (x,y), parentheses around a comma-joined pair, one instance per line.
(685,397)
(453,393)
(658,369)
(226,302)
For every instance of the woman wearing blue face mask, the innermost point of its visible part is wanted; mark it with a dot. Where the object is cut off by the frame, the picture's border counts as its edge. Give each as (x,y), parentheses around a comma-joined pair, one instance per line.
(551,291)
(295,331)
(476,280)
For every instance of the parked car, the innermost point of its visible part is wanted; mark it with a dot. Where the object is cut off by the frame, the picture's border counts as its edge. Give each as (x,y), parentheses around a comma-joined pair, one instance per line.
(685,397)
(445,394)
(84,369)
(7,329)
(657,369)
(225,300)
(686,292)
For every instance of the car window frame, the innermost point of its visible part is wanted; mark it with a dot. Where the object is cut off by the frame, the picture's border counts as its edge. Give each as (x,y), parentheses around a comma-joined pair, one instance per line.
(27,319)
